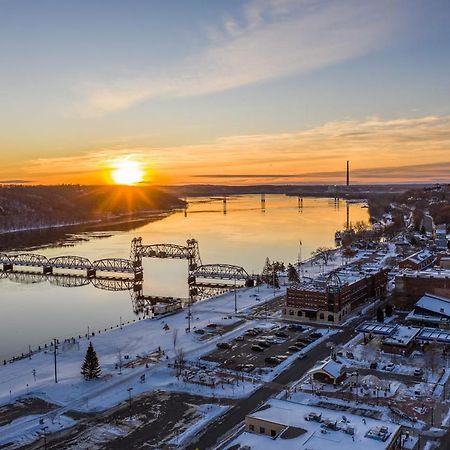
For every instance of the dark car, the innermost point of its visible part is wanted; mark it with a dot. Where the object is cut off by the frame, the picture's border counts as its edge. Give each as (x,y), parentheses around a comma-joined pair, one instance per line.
(263,343)
(272,360)
(281,334)
(316,335)
(224,345)
(294,326)
(199,331)
(257,348)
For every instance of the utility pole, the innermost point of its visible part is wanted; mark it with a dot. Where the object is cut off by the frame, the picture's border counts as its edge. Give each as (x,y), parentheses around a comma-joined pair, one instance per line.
(54,358)
(235,297)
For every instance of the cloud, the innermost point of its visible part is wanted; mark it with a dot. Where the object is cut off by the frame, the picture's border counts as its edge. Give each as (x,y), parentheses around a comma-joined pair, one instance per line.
(15,181)
(269,39)
(379,150)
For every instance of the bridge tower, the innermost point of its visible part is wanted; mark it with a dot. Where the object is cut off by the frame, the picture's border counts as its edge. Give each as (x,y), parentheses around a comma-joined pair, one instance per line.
(224,204)
(136,258)
(263,202)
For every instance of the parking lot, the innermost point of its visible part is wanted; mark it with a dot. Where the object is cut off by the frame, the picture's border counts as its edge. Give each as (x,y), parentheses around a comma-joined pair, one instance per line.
(267,348)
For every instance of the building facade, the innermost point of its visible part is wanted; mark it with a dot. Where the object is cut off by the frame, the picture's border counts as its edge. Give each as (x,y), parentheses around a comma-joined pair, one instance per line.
(332,299)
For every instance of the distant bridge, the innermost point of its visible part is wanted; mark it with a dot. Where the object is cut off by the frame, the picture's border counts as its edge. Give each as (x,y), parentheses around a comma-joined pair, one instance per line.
(116,265)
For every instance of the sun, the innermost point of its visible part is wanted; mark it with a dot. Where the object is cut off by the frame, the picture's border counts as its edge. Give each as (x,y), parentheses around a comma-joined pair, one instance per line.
(127,172)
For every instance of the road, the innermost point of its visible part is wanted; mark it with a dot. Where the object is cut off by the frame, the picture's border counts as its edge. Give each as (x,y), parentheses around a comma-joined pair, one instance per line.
(237,413)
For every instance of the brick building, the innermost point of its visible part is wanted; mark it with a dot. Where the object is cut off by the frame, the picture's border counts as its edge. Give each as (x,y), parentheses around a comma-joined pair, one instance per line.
(331,299)
(410,286)
(418,261)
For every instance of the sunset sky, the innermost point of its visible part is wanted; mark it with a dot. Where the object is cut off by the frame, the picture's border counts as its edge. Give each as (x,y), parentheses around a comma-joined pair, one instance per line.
(224,92)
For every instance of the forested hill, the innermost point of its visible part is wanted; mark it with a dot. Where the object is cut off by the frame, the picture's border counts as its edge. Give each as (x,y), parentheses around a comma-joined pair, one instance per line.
(31,207)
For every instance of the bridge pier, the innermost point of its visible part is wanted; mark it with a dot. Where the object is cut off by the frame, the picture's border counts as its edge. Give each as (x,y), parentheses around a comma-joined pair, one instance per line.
(7,267)
(47,270)
(91,273)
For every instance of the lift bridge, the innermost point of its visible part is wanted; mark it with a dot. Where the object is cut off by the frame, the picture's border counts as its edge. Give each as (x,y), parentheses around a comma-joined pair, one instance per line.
(127,274)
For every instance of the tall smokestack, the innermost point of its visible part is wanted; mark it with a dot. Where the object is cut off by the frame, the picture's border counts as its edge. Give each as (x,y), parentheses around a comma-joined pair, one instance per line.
(348,173)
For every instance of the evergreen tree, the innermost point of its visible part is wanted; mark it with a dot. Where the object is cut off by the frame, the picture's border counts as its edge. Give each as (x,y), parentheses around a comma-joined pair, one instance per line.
(388,310)
(380,315)
(292,274)
(90,368)
(266,275)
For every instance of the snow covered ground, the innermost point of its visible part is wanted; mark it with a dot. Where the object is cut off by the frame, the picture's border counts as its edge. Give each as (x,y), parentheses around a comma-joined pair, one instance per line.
(135,345)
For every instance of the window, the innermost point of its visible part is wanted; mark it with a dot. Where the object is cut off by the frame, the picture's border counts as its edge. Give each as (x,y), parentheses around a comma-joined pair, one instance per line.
(251,427)
(273,433)
(330,318)
(262,430)
(321,316)
(291,313)
(299,313)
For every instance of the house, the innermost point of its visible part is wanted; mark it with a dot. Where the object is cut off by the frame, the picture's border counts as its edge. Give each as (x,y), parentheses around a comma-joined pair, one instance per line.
(427,224)
(431,310)
(329,371)
(401,341)
(441,240)
(418,261)
(284,425)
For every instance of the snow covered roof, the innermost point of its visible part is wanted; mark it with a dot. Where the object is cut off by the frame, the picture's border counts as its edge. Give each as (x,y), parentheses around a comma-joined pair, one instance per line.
(419,257)
(435,303)
(402,336)
(331,367)
(348,431)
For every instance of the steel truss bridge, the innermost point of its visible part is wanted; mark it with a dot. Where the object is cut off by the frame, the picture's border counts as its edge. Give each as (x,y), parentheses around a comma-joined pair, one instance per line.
(204,280)
(116,265)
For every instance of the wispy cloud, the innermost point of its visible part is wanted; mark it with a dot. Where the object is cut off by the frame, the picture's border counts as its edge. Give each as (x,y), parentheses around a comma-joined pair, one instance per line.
(267,40)
(406,149)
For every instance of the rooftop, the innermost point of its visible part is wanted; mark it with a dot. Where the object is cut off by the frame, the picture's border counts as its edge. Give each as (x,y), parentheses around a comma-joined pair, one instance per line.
(435,304)
(317,428)
(402,336)
(419,257)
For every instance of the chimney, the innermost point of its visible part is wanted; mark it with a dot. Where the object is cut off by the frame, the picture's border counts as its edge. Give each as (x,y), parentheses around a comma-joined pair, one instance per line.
(348,173)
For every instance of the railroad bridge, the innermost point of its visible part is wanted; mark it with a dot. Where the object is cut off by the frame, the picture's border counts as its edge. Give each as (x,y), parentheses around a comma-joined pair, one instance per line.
(204,280)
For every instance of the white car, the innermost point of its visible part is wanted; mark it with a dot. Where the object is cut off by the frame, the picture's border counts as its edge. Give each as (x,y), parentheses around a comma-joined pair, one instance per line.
(389,367)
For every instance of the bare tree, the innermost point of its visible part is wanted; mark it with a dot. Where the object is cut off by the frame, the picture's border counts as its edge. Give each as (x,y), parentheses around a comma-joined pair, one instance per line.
(175,339)
(324,253)
(179,361)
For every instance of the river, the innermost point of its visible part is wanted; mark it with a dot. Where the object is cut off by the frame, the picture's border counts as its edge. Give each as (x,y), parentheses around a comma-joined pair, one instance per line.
(33,311)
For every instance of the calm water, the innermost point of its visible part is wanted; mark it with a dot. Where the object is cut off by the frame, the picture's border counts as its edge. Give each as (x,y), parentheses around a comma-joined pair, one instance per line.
(33,313)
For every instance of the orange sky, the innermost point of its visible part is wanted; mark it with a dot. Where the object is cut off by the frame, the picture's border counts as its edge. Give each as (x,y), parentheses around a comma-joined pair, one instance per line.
(401,150)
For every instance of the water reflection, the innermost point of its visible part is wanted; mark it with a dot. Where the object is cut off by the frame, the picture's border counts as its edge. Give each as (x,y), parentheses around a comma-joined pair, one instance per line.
(36,312)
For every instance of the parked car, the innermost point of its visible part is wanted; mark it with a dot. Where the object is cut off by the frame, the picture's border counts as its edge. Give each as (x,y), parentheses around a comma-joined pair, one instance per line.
(316,335)
(418,372)
(281,334)
(257,348)
(294,326)
(224,345)
(251,332)
(272,360)
(245,367)
(282,357)
(389,367)
(239,338)
(293,348)
(263,343)
(211,325)
(199,331)
(302,355)
(373,365)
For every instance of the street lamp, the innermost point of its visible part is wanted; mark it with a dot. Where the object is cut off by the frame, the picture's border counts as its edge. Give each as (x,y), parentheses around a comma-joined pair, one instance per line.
(129,397)
(44,431)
